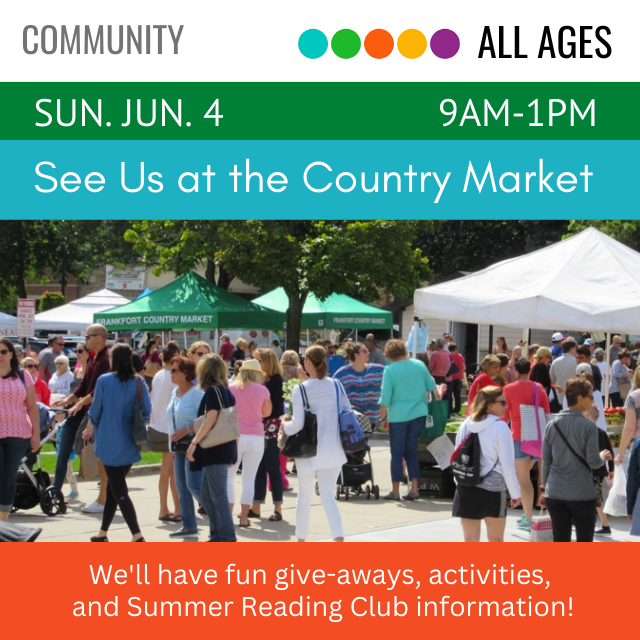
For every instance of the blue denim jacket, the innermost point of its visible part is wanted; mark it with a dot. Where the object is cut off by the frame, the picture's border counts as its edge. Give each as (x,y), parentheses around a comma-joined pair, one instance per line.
(111,413)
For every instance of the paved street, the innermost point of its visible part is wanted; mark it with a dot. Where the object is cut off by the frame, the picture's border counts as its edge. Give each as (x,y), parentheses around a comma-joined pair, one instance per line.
(427,520)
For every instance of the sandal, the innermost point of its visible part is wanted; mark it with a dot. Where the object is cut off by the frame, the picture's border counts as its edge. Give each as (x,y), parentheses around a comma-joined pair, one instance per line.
(251,514)
(245,525)
(276,517)
(175,517)
(167,517)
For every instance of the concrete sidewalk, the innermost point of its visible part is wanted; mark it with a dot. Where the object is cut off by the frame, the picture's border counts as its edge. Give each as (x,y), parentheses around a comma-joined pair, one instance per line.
(426,520)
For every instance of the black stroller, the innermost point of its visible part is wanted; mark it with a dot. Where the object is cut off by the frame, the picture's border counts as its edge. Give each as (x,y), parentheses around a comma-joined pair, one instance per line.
(34,486)
(358,470)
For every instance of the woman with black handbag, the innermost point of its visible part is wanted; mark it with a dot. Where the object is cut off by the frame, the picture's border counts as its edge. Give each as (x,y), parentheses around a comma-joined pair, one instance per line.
(570,455)
(214,462)
(182,411)
(115,400)
(317,396)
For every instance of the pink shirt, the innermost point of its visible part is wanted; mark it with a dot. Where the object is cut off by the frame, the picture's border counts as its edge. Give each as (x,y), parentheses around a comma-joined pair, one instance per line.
(249,401)
(439,363)
(14,420)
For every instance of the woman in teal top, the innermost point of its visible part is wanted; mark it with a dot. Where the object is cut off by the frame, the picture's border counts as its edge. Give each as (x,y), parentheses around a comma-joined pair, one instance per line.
(404,404)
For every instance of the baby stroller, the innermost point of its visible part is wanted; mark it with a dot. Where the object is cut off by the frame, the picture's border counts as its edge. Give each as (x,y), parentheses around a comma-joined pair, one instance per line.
(358,470)
(34,487)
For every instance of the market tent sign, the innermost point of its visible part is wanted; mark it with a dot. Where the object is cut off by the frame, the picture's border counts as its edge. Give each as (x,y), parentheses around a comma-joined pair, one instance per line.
(336,312)
(191,303)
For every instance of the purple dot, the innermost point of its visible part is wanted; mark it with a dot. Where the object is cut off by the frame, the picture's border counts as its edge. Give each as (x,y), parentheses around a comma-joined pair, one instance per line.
(445,43)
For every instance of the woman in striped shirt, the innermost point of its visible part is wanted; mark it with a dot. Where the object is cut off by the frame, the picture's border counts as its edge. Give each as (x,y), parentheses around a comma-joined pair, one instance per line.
(362,382)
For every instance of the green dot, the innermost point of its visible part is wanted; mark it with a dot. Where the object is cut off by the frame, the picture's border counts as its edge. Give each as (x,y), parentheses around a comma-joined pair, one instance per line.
(345,43)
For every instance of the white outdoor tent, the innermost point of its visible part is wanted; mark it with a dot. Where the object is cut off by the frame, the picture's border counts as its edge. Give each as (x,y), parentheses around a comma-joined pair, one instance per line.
(588,282)
(78,315)
(8,325)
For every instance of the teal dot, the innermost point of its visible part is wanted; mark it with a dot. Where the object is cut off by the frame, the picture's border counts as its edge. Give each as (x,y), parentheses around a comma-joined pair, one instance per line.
(313,44)
(345,43)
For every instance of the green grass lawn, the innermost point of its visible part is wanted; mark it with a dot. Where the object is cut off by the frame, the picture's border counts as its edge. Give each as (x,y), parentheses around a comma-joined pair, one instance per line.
(48,459)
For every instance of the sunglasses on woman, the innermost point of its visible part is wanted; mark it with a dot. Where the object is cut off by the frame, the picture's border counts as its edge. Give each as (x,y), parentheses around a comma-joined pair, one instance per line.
(31,366)
(80,351)
(3,352)
(202,353)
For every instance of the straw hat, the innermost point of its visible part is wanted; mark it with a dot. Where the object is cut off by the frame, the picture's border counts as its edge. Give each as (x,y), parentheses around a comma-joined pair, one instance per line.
(252,365)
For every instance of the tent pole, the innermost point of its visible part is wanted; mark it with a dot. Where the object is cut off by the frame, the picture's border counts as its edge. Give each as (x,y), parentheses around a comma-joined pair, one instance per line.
(608,376)
(216,339)
(490,338)
(164,342)
(416,328)
(184,335)
(116,334)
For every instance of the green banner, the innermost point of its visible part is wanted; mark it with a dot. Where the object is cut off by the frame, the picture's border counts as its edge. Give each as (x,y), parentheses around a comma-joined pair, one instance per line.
(319,111)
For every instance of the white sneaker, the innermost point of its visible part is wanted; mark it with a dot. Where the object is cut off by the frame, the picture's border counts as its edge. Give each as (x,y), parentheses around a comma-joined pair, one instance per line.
(94,507)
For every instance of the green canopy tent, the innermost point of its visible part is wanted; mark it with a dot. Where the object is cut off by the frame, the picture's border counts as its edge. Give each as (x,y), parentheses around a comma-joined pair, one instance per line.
(191,303)
(336,312)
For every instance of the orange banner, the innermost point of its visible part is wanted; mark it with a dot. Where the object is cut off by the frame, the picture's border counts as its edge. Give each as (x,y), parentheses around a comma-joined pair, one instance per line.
(314,589)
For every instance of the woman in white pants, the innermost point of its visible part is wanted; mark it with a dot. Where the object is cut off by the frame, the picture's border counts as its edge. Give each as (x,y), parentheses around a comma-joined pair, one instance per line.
(253,402)
(327,463)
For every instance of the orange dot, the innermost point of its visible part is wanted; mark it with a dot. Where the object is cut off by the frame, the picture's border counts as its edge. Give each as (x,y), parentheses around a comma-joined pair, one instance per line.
(378,43)
(412,43)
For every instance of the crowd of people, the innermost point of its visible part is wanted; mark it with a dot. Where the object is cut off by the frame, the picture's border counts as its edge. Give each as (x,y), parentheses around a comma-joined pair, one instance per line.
(180,395)
(565,383)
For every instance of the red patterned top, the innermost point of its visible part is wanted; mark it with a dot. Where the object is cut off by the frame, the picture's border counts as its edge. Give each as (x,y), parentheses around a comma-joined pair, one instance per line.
(14,419)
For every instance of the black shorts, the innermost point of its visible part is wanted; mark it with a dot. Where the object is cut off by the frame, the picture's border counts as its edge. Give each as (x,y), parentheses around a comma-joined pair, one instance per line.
(474,503)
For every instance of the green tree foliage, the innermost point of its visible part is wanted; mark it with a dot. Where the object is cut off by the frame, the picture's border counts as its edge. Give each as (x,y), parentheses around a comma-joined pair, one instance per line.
(51,300)
(471,245)
(625,231)
(358,258)
(45,250)
(179,246)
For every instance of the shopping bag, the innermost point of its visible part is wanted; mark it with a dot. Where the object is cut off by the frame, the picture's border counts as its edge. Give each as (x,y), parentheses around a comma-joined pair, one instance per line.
(89,463)
(436,421)
(533,420)
(541,527)
(616,504)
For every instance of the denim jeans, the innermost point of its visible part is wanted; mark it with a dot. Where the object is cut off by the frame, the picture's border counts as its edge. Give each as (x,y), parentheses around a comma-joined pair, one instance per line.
(403,441)
(270,464)
(215,500)
(64,448)
(189,485)
(12,450)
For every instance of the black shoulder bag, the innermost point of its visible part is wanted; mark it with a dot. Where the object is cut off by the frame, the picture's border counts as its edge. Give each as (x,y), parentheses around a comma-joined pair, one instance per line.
(303,444)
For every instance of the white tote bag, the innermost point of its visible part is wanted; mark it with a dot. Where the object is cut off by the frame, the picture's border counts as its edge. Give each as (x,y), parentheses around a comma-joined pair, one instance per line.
(541,527)
(534,421)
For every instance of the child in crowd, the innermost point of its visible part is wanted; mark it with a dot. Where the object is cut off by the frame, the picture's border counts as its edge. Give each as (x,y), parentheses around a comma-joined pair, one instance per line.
(604,472)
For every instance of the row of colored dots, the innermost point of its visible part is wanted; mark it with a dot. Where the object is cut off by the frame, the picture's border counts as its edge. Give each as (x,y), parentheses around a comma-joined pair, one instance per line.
(378,43)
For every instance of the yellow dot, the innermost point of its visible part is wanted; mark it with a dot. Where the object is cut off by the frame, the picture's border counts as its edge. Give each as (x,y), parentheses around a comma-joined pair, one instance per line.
(412,43)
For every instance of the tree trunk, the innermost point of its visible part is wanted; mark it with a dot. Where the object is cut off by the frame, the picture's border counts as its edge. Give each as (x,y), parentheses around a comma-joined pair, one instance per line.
(294,319)
(224,277)
(210,271)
